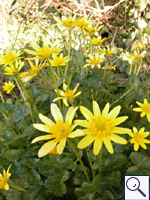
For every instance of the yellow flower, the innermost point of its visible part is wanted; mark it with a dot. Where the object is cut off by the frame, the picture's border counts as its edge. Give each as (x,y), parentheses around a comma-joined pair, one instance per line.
(68,94)
(8,87)
(9,58)
(59,60)
(138,138)
(110,67)
(68,23)
(92,30)
(137,45)
(40,52)
(11,70)
(144,108)
(82,22)
(33,71)
(98,41)
(101,127)
(107,51)
(131,58)
(94,61)
(59,130)
(4,179)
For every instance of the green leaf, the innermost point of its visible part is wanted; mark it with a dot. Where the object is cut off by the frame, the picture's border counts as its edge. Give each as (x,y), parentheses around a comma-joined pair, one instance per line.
(30,175)
(114,161)
(6,107)
(93,187)
(35,192)
(21,112)
(90,82)
(55,183)
(132,81)
(109,194)
(30,162)
(140,160)
(49,165)
(11,156)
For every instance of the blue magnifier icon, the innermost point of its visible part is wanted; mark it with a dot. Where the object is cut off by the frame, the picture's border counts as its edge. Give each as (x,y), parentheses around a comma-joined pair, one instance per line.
(133,184)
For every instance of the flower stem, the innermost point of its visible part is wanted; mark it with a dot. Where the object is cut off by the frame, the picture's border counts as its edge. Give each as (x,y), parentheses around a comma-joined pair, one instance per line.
(16,186)
(63,74)
(82,165)
(91,48)
(16,97)
(55,81)
(99,160)
(1,95)
(69,51)
(5,117)
(106,62)
(93,172)
(139,68)
(122,96)
(46,81)
(85,53)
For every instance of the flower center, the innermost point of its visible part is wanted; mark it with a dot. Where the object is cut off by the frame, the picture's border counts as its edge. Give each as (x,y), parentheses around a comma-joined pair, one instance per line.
(68,23)
(95,61)
(109,53)
(59,61)
(45,52)
(137,57)
(69,93)
(101,127)
(61,129)
(138,137)
(146,108)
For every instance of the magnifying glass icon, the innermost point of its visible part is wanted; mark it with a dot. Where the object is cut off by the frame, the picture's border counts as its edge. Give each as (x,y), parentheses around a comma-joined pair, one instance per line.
(133,184)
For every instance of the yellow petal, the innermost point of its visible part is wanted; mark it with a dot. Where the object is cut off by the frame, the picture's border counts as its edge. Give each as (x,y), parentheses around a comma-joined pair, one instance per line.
(143,146)
(105,110)
(121,130)
(76,87)
(136,146)
(108,145)
(148,117)
(65,102)
(114,112)
(6,187)
(46,148)
(35,46)
(87,114)
(135,129)
(145,101)
(86,141)
(42,127)
(118,120)
(61,146)
(138,109)
(83,123)
(43,137)
(97,146)
(46,120)
(96,109)
(117,139)
(30,52)
(142,114)
(70,114)
(140,104)
(76,133)
(56,112)
(146,141)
